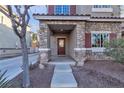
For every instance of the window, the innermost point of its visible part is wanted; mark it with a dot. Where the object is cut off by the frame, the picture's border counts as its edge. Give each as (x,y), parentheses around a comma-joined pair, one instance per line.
(62,9)
(58,9)
(102,6)
(99,39)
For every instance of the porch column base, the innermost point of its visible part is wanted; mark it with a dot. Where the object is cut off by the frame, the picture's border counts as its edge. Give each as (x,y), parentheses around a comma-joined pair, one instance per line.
(80,56)
(44,57)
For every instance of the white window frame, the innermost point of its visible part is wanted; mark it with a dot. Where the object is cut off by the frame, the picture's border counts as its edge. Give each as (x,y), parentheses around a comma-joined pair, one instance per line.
(62,9)
(99,49)
(100,8)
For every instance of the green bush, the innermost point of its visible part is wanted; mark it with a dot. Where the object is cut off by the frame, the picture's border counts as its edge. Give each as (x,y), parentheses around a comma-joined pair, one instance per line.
(115,49)
(4,83)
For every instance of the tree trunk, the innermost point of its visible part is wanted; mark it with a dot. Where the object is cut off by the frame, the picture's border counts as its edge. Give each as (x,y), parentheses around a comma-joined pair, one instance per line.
(26,80)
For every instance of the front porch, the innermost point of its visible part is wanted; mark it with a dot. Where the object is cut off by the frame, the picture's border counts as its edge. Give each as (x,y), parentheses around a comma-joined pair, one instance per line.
(62,38)
(79,34)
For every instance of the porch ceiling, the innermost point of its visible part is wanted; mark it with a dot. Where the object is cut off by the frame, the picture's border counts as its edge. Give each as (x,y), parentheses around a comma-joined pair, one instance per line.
(61,28)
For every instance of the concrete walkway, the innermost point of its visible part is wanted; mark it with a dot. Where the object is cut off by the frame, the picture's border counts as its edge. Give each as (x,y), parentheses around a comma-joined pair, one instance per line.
(63,76)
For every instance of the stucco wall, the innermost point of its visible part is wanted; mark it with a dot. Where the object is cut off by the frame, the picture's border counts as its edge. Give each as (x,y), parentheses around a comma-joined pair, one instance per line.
(72,43)
(9,42)
(8,38)
(87,9)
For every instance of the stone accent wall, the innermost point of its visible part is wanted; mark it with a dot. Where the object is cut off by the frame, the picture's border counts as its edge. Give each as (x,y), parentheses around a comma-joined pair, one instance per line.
(44,46)
(113,27)
(80,29)
(103,26)
(97,56)
(80,43)
(43,35)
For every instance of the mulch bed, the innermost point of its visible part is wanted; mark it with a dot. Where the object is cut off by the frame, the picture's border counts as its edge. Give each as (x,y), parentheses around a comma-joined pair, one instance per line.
(39,78)
(96,74)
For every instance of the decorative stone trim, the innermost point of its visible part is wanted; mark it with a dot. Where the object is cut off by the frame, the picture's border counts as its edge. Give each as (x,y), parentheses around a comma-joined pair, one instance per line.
(44,49)
(102,9)
(102,31)
(92,49)
(61,17)
(107,19)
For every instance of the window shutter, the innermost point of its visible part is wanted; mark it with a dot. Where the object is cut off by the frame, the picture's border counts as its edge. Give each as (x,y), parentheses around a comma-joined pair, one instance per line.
(51,9)
(72,9)
(113,36)
(87,40)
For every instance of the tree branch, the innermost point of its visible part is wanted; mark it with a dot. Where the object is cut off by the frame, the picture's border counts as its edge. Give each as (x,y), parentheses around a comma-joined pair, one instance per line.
(28,18)
(25,18)
(18,10)
(14,24)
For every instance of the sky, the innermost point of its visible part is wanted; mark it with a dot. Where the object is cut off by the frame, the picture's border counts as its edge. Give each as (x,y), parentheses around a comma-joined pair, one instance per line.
(34,24)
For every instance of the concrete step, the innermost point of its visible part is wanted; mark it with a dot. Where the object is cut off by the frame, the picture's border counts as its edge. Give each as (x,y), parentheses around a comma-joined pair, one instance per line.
(63,80)
(63,68)
(62,63)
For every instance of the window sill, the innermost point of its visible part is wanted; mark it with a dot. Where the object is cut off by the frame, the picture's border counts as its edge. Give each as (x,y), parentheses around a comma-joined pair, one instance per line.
(93,49)
(97,49)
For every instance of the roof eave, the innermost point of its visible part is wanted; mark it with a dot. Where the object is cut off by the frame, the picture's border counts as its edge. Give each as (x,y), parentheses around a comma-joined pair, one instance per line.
(77,18)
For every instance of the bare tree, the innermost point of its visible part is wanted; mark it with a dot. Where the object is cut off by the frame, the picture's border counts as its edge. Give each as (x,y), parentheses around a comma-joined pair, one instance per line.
(20,20)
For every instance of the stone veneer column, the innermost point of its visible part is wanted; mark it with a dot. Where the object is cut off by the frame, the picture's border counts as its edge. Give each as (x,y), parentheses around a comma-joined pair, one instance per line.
(80,44)
(44,45)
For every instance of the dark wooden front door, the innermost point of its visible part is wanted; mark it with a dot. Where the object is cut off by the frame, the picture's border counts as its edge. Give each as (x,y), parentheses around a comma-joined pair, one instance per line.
(61,46)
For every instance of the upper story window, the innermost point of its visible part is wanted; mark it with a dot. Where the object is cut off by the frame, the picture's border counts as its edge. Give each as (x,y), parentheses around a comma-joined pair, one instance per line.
(62,9)
(102,8)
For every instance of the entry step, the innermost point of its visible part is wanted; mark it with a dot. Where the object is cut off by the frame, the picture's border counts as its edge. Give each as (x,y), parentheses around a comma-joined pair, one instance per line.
(63,68)
(62,63)
(63,80)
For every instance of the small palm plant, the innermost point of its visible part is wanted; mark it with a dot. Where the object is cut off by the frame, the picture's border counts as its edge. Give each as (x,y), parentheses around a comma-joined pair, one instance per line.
(4,83)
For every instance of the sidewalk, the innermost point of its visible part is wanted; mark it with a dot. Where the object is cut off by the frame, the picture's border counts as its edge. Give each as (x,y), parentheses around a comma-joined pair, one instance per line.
(2,57)
(63,77)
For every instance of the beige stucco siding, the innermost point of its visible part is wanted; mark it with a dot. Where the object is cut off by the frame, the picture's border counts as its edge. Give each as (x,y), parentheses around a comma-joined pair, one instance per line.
(87,9)
(72,43)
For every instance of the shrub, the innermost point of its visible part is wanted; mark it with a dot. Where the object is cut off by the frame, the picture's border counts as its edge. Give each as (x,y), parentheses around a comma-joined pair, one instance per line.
(4,83)
(115,49)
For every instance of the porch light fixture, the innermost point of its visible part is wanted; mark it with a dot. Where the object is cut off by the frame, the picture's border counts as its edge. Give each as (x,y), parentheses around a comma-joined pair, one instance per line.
(61,30)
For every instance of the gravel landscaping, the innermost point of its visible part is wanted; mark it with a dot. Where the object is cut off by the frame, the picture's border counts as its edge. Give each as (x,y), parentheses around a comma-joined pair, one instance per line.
(94,74)
(40,78)
(99,74)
